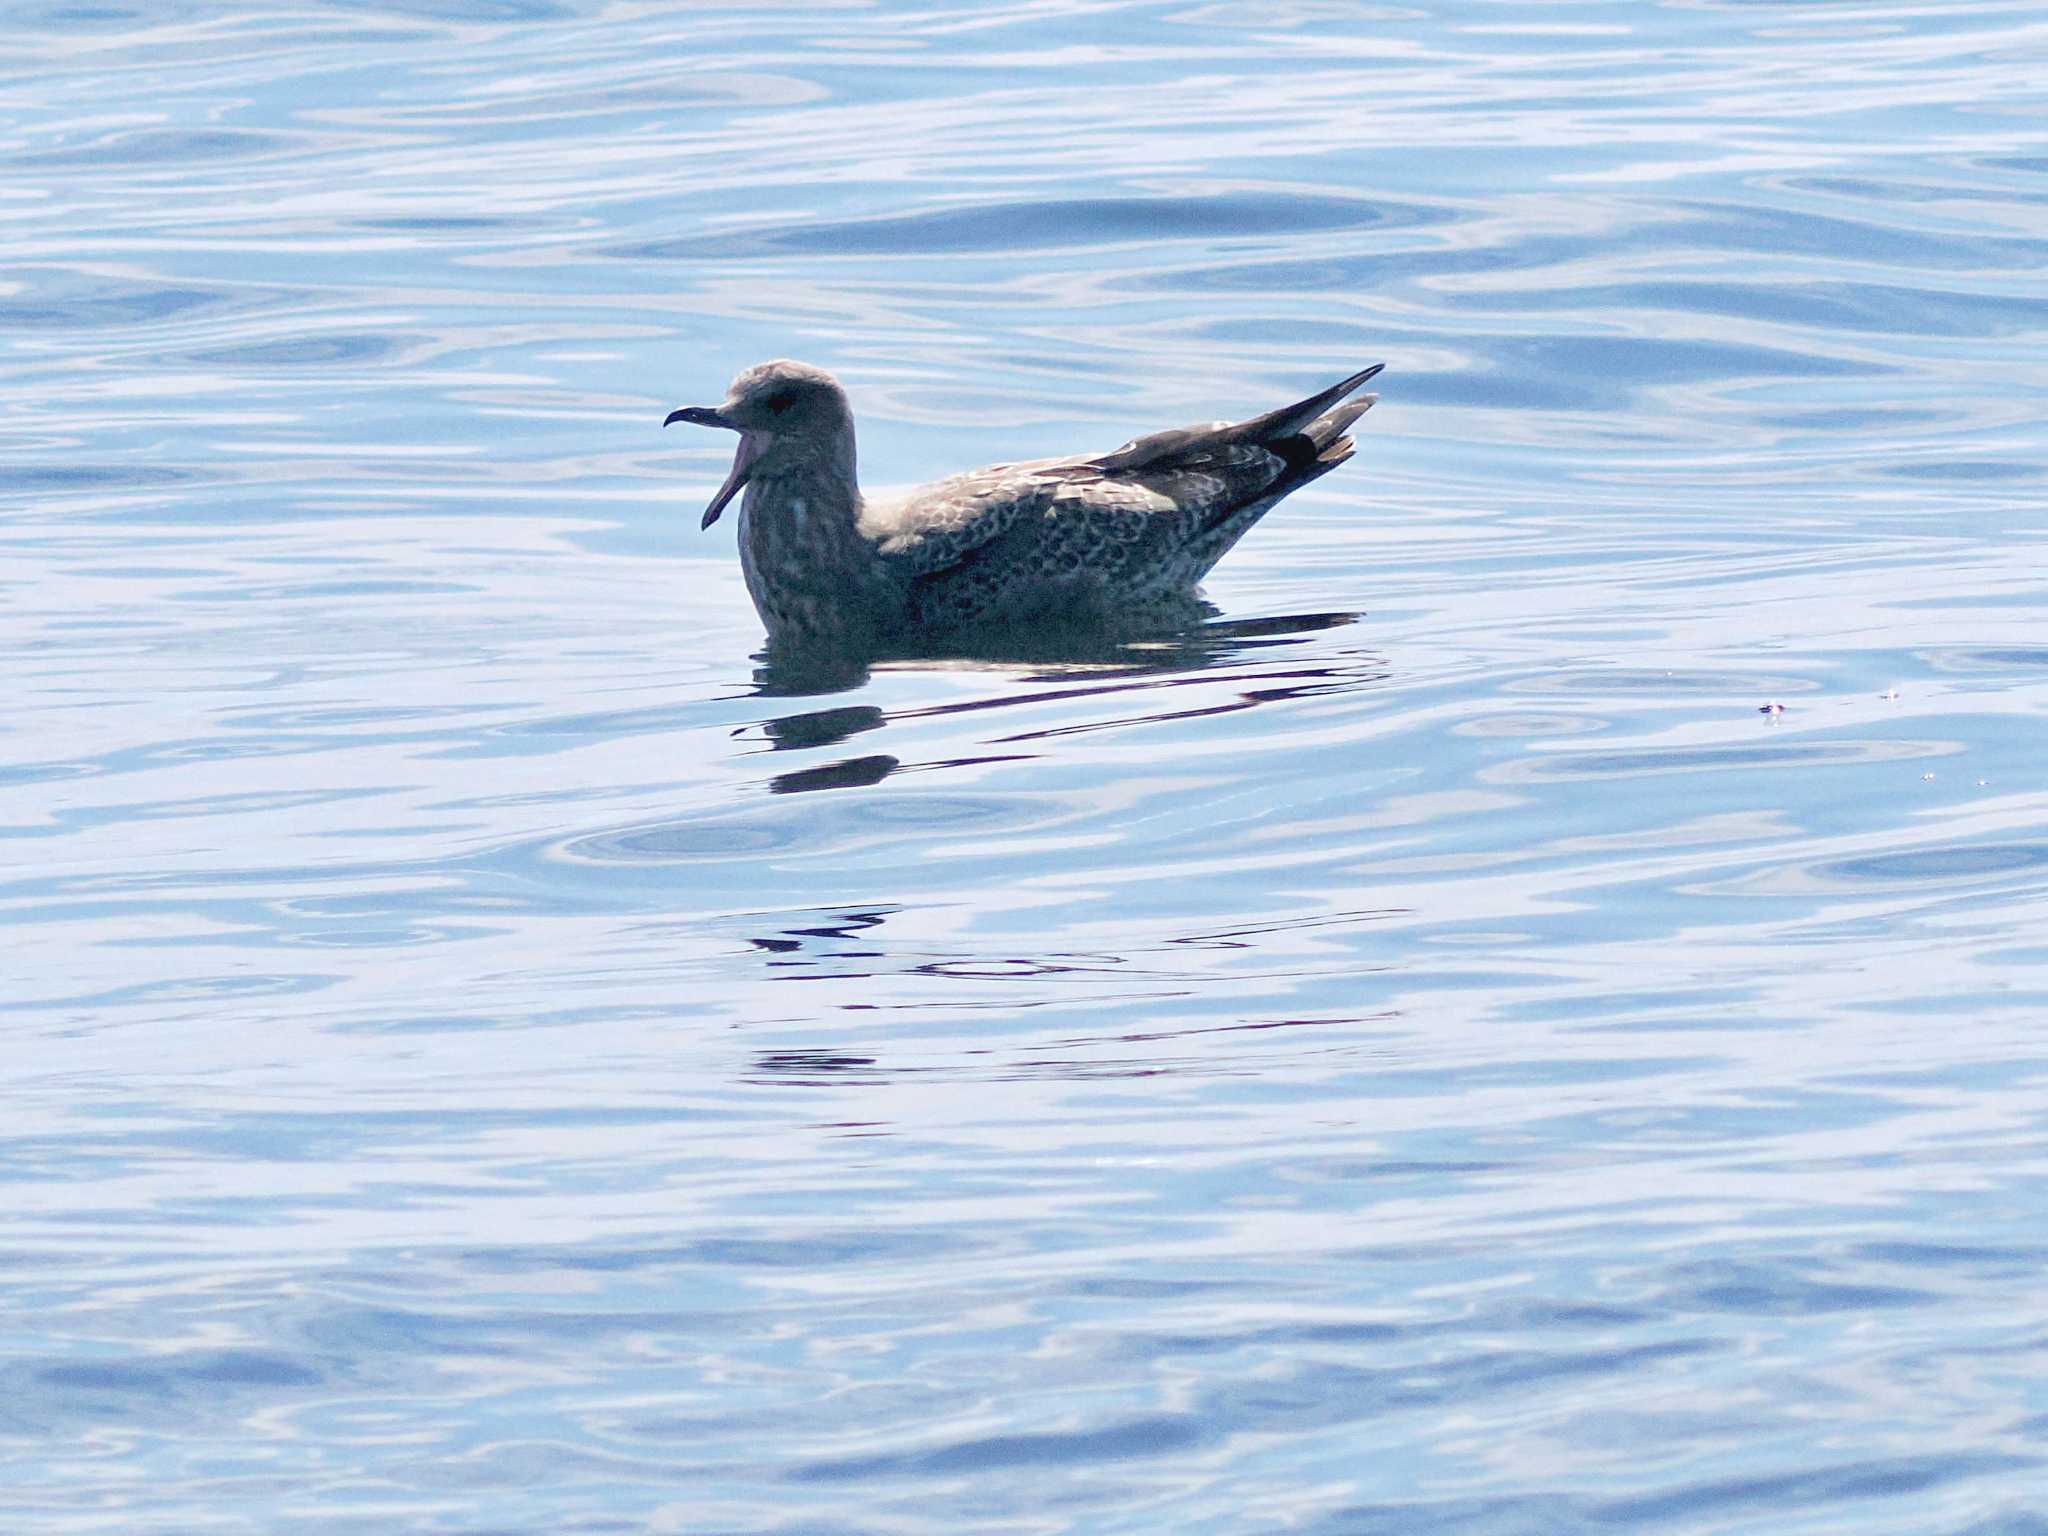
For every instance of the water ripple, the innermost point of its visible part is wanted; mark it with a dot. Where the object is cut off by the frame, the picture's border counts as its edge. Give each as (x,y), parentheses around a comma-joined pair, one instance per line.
(1414,1050)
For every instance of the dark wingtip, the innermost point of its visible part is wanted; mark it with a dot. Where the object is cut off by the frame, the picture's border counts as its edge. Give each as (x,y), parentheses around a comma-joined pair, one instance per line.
(1290,419)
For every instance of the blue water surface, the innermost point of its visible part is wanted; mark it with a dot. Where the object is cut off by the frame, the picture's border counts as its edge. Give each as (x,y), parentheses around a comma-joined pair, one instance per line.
(1427,1052)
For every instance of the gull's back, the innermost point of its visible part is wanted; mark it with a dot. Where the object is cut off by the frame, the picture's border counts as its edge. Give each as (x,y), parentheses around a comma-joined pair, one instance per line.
(1089,538)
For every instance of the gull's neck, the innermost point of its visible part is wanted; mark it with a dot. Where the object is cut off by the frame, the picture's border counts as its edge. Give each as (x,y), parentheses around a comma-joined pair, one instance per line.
(813,487)
(808,568)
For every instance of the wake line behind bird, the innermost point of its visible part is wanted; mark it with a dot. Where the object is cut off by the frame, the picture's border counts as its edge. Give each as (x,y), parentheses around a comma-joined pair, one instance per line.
(1088,539)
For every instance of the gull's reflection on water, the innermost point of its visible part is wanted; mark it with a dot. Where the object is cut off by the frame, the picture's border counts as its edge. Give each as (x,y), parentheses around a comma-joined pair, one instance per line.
(1186,639)
(838,925)
(819,1068)
(1054,666)
(848,773)
(822,727)
(877,1006)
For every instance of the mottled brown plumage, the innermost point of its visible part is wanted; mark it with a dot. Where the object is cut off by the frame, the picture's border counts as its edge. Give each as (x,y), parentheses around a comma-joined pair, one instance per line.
(1091,538)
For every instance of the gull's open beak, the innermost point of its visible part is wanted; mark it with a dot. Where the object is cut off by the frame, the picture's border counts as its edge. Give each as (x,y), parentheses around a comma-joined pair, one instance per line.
(751,444)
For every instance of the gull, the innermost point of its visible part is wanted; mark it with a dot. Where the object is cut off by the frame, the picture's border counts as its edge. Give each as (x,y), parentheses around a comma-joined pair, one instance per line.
(1092,539)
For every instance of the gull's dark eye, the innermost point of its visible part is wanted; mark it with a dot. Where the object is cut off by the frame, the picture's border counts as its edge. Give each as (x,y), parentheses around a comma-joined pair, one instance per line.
(780,401)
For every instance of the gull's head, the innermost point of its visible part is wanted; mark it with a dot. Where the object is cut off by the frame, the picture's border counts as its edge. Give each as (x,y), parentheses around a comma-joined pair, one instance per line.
(783,411)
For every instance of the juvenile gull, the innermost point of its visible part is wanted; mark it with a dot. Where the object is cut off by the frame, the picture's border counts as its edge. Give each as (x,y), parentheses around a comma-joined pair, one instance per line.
(1075,539)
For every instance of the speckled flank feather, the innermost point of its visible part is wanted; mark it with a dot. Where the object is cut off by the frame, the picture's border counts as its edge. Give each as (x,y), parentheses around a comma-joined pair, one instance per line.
(1083,537)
